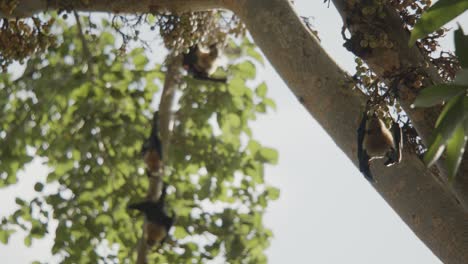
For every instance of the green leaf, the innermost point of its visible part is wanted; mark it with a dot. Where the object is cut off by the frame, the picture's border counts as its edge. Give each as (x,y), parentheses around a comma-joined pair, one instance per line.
(140,61)
(261,108)
(273,193)
(5,235)
(247,70)
(436,16)
(38,187)
(270,103)
(269,155)
(461,78)
(261,90)
(11,178)
(255,171)
(28,241)
(180,232)
(435,151)
(253,146)
(103,219)
(139,57)
(437,94)
(452,115)
(106,37)
(251,52)
(20,201)
(233,120)
(150,19)
(461,47)
(236,87)
(455,149)
(192,246)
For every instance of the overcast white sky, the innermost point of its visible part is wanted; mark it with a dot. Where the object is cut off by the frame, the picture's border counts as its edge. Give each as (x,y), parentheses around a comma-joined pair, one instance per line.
(327,212)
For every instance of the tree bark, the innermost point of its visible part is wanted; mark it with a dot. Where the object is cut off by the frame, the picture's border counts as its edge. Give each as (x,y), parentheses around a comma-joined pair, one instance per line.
(27,8)
(319,84)
(171,83)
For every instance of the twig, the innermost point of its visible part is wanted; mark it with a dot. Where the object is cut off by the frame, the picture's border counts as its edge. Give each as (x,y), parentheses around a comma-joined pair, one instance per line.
(86,51)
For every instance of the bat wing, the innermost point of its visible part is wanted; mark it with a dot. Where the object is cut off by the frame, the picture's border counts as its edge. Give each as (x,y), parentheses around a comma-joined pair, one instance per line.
(398,141)
(153,142)
(190,58)
(144,206)
(362,153)
(394,156)
(204,77)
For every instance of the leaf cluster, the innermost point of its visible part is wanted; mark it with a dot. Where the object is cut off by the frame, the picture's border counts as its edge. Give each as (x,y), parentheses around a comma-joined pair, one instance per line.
(87,114)
(451,129)
(19,39)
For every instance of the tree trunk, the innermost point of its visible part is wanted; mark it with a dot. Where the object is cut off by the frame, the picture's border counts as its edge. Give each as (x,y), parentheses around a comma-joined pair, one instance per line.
(320,85)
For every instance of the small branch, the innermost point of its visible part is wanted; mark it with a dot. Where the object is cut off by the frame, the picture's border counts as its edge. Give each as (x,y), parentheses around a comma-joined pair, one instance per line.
(173,77)
(86,51)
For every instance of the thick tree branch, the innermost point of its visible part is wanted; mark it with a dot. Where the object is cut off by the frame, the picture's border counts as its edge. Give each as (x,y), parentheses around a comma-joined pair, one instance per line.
(27,8)
(317,81)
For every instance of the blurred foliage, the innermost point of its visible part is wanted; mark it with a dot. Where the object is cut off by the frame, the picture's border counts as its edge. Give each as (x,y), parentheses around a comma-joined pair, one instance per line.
(87,111)
(19,39)
(413,13)
(451,129)
(439,14)
(180,32)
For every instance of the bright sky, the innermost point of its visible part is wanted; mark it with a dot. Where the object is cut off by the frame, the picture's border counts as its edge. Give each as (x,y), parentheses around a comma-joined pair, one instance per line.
(327,212)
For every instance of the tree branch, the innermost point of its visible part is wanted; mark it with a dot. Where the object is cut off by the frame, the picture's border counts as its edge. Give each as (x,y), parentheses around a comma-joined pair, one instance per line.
(173,77)
(409,188)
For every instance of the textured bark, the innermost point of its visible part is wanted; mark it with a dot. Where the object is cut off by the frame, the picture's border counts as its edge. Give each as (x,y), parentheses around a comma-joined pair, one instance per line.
(410,188)
(26,8)
(171,83)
